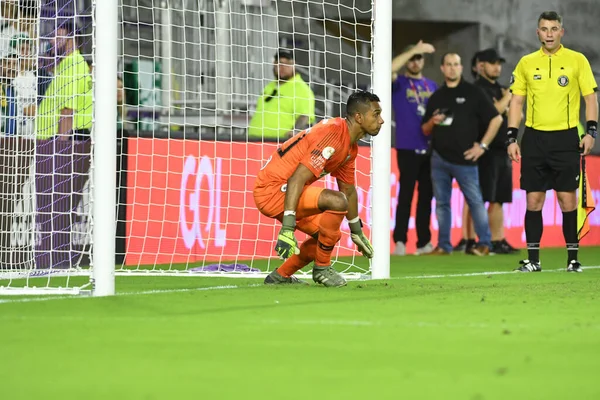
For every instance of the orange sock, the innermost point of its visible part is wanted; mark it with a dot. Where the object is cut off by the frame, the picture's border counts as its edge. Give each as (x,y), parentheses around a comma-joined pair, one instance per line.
(297,262)
(329,234)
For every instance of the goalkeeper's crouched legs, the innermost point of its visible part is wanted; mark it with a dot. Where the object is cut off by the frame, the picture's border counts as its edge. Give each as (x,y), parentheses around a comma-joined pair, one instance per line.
(329,235)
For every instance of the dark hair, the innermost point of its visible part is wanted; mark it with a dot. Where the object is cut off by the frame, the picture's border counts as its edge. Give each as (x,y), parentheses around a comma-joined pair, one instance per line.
(359,100)
(550,16)
(446,55)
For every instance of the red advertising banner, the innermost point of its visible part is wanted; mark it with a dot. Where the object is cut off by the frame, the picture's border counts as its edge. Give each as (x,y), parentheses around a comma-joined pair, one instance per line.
(191,201)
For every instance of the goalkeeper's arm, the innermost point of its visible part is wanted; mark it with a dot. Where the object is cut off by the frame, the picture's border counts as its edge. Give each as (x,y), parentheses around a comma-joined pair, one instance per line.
(356,233)
(287,245)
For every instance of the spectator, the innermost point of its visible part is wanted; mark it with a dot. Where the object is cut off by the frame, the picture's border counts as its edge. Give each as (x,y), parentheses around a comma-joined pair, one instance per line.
(453,117)
(410,93)
(287,104)
(9,25)
(66,109)
(9,67)
(495,168)
(25,84)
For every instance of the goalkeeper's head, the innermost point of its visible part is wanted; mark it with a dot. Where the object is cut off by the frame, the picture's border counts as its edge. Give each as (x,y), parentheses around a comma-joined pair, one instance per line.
(364,110)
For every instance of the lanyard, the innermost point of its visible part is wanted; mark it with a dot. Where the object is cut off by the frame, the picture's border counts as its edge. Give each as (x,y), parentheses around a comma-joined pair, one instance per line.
(414,89)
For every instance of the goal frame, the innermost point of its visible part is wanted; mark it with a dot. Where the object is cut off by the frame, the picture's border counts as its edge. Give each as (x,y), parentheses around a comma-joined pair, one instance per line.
(103,180)
(104,232)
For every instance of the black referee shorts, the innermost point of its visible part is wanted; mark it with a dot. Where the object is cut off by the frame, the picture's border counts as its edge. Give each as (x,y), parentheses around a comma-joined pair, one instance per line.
(550,160)
(495,176)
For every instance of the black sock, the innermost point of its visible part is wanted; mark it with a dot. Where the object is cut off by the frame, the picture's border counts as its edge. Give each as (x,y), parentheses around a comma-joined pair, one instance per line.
(570,234)
(534,226)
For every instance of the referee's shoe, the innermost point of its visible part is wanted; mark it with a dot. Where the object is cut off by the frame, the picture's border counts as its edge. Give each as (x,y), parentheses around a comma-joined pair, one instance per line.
(574,266)
(529,266)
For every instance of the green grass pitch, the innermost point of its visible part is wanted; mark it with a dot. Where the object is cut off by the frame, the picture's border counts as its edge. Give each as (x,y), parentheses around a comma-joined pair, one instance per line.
(452,336)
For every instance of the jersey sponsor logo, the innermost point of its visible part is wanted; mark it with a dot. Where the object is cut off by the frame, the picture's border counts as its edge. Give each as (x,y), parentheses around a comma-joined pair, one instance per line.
(317,161)
(537,77)
(328,152)
(563,80)
(460,100)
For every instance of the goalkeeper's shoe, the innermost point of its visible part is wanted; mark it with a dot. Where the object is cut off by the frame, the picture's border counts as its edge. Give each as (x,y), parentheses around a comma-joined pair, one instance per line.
(274,278)
(529,266)
(574,266)
(327,276)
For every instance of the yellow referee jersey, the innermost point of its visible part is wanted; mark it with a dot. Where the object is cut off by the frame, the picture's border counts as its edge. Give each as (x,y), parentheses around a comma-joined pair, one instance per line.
(553,85)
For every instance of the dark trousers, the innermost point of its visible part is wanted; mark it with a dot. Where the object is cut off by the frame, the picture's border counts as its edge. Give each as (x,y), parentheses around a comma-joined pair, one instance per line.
(414,168)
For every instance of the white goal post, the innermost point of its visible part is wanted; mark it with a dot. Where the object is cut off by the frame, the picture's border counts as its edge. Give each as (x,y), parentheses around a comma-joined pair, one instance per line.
(176,84)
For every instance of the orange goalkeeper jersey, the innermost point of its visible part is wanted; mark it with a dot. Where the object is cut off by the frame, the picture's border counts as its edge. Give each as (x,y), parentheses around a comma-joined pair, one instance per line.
(324,149)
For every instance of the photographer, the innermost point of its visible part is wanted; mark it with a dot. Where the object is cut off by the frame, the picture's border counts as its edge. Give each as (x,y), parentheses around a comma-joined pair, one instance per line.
(453,117)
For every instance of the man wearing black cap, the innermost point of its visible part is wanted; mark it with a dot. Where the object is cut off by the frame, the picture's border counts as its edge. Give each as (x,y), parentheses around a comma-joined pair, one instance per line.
(495,168)
(287,104)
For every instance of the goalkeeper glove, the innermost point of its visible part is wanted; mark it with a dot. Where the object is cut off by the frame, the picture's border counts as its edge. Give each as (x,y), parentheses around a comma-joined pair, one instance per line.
(286,241)
(359,238)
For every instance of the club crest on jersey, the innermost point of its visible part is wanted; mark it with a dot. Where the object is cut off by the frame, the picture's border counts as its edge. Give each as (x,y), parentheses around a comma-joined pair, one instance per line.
(563,80)
(328,152)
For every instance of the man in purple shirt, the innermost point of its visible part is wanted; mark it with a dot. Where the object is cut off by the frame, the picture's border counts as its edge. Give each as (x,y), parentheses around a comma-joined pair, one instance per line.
(410,93)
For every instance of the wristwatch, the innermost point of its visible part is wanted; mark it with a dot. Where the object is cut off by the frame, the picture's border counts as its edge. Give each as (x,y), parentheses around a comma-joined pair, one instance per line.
(510,141)
(484,146)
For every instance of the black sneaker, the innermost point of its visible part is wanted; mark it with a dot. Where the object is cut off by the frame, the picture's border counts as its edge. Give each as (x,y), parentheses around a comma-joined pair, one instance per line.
(496,248)
(460,246)
(508,247)
(470,247)
(574,266)
(529,266)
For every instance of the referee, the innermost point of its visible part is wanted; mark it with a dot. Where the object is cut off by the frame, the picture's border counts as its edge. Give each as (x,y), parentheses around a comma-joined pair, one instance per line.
(552,79)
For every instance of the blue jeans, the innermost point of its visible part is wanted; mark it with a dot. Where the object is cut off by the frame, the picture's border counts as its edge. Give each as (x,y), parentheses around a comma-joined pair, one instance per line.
(467,177)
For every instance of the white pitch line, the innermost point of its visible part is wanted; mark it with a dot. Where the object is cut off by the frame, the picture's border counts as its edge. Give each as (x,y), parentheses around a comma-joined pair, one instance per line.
(158,291)
(225,287)
(482,273)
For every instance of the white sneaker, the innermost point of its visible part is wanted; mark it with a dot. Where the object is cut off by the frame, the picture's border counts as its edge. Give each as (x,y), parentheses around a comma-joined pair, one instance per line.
(428,248)
(400,249)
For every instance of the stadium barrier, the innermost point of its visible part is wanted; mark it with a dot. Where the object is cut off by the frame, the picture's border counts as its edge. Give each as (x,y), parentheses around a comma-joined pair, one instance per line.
(200,204)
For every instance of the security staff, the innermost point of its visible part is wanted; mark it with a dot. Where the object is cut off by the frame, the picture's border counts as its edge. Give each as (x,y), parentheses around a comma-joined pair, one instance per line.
(454,115)
(495,168)
(552,79)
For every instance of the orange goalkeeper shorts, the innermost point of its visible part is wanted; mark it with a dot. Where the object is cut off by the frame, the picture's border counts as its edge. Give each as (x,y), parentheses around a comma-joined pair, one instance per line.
(269,201)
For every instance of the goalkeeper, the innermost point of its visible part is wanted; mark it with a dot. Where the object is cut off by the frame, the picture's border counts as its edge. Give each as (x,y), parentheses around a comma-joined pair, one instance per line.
(283,190)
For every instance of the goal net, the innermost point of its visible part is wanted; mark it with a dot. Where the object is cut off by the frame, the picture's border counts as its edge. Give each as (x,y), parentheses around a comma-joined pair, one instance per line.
(194,78)
(45,145)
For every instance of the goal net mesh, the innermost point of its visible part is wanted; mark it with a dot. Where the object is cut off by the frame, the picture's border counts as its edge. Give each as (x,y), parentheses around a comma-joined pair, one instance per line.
(190,76)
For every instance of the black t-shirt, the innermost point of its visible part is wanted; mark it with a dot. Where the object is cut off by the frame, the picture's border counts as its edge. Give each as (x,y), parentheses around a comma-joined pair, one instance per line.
(467,109)
(494,92)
